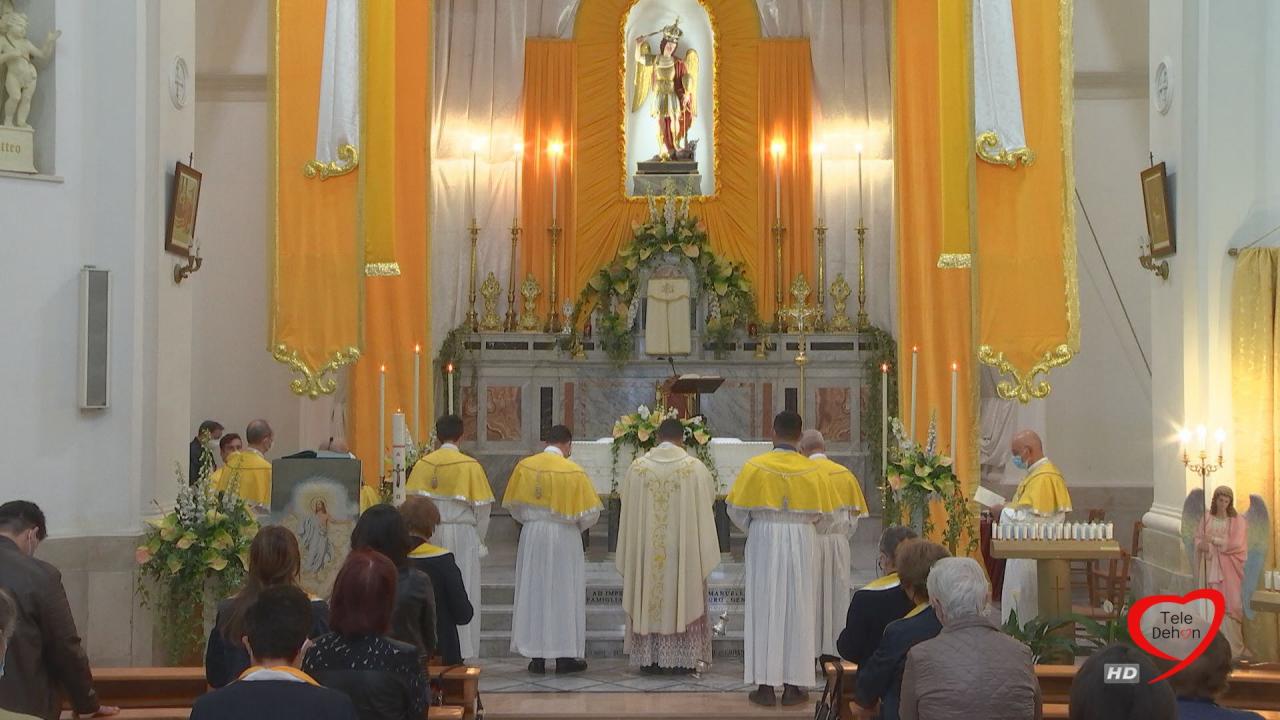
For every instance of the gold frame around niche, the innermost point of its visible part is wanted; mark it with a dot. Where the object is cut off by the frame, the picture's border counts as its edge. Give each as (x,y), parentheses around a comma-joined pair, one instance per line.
(715,98)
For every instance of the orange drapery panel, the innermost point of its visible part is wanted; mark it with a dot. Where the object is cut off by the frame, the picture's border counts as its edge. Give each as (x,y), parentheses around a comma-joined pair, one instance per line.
(397,315)
(314,234)
(1026,216)
(935,304)
(786,109)
(604,213)
(548,108)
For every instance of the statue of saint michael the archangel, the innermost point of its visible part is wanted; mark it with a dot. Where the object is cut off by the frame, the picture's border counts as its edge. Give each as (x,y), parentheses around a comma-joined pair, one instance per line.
(674,84)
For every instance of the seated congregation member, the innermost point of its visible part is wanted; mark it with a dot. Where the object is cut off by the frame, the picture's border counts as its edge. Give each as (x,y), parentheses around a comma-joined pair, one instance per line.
(8,626)
(453,607)
(276,626)
(971,669)
(1199,685)
(274,561)
(877,604)
(1093,698)
(383,677)
(879,679)
(413,620)
(46,661)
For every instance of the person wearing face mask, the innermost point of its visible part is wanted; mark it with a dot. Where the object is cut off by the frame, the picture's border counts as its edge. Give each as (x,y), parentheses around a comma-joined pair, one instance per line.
(1041,497)
(46,659)
(250,468)
(206,440)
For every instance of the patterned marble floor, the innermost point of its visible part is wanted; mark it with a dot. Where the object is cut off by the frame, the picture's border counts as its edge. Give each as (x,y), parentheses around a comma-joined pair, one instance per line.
(609,675)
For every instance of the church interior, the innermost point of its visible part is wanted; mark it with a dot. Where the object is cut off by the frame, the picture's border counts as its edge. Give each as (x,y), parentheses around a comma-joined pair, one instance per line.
(764,303)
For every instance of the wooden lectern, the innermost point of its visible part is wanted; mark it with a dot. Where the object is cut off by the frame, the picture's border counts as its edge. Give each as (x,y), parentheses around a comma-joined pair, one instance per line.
(692,388)
(1053,569)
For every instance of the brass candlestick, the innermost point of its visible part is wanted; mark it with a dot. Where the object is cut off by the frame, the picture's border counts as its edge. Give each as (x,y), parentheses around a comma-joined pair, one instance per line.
(820,232)
(512,323)
(490,290)
(553,313)
(802,313)
(779,323)
(862,322)
(472,321)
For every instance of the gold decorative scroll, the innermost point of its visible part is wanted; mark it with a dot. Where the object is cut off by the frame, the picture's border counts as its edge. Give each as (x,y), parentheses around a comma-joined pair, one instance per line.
(990,150)
(951,261)
(314,382)
(386,269)
(348,160)
(1025,387)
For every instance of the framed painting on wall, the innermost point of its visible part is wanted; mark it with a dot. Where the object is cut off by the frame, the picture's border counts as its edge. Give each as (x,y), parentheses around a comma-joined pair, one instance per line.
(1155,198)
(179,237)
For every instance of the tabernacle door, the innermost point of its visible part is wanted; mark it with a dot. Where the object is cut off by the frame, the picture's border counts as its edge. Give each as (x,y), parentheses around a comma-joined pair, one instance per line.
(666,327)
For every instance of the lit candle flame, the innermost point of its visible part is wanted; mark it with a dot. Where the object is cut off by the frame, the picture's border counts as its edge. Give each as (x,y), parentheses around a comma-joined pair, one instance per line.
(383,369)
(777,147)
(819,148)
(417,348)
(858,148)
(555,148)
(884,367)
(518,148)
(955,366)
(477,144)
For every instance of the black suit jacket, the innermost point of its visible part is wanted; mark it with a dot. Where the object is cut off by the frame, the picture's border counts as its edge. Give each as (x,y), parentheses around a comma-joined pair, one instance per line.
(224,661)
(273,700)
(45,657)
(870,611)
(453,607)
(880,677)
(195,451)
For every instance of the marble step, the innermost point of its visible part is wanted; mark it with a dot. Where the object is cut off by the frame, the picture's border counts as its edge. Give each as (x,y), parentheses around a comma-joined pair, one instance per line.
(602,618)
(606,644)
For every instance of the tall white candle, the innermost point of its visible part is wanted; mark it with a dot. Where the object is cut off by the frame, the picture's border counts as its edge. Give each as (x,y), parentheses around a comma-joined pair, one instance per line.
(884,417)
(955,383)
(1203,436)
(858,147)
(554,150)
(382,422)
(515,204)
(915,364)
(820,149)
(777,148)
(449,383)
(398,443)
(417,406)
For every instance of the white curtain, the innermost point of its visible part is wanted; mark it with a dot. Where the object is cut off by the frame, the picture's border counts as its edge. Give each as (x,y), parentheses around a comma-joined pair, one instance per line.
(479,61)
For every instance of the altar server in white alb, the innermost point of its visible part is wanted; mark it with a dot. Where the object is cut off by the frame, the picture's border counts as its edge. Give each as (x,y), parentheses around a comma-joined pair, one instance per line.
(555,501)
(835,556)
(780,499)
(1041,497)
(667,548)
(459,488)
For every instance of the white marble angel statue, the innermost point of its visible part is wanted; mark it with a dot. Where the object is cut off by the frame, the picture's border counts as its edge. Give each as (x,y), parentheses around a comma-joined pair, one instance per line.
(1227,551)
(673,83)
(17,56)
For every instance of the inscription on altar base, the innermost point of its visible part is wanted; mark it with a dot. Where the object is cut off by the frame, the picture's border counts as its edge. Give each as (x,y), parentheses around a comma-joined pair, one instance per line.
(17,149)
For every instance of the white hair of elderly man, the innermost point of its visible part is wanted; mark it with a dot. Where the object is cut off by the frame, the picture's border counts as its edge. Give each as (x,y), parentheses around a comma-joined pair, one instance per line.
(958,588)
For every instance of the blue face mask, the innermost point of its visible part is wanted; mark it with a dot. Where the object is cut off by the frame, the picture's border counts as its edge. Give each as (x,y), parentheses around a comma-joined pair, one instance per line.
(1019,463)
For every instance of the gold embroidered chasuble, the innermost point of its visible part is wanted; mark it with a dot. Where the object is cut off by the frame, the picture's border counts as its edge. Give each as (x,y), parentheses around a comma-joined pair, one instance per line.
(667,545)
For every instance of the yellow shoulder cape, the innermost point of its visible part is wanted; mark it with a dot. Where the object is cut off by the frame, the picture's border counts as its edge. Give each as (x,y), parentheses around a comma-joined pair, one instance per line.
(885,582)
(427,550)
(1044,491)
(252,475)
(447,474)
(782,480)
(547,480)
(845,485)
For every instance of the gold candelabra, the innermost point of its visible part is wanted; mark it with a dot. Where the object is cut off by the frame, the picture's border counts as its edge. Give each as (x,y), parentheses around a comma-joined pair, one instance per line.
(1202,468)
(472,321)
(862,323)
(820,232)
(512,323)
(553,313)
(779,323)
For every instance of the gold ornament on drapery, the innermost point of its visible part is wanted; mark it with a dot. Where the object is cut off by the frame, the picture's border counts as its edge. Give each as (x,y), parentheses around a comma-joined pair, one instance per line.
(989,149)
(348,160)
(1024,387)
(317,382)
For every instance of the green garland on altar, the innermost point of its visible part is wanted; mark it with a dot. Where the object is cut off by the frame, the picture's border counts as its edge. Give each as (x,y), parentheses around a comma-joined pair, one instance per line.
(673,230)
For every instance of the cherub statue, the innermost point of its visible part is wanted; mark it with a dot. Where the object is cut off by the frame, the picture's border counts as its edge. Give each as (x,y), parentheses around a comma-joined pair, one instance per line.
(1227,551)
(674,83)
(16,61)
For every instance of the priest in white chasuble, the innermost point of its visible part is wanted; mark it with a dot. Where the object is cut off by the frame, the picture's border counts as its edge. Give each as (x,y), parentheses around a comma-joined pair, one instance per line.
(249,469)
(835,556)
(554,501)
(458,486)
(1041,497)
(667,548)
(781,499)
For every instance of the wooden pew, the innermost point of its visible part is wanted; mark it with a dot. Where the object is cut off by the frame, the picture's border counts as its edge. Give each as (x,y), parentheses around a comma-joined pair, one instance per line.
(1256,690)
(170,691)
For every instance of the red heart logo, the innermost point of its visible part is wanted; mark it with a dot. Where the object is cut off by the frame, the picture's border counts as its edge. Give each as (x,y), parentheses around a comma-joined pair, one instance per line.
(1174,629)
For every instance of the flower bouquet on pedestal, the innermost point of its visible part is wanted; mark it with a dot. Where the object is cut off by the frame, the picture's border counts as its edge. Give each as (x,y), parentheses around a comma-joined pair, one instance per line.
(919,475)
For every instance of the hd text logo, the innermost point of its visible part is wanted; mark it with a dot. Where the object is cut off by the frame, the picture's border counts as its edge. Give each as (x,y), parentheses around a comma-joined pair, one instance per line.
(1120,673)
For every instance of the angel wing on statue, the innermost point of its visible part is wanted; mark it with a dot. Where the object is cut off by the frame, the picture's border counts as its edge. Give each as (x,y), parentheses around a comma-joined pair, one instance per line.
(673,82)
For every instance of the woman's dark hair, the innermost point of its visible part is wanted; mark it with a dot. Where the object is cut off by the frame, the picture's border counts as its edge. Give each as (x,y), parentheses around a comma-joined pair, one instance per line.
(381,528)
(421,516)
(274,560)
(892,536)
(1092,698)
(363,595)
(1206,677)
(914,558)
